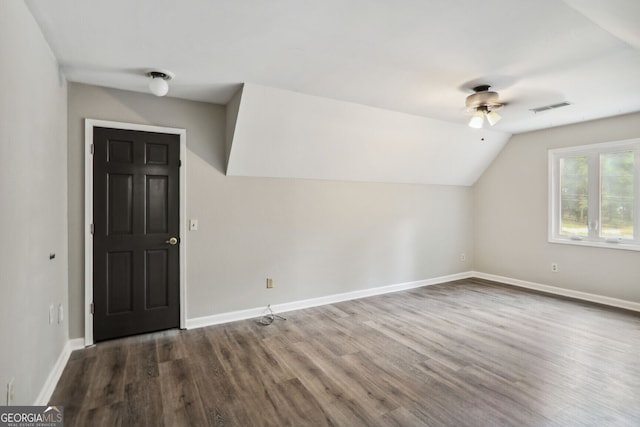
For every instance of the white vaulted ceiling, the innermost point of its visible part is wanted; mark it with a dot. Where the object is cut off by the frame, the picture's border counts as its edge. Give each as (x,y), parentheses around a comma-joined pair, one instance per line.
(414,58)
(290,135)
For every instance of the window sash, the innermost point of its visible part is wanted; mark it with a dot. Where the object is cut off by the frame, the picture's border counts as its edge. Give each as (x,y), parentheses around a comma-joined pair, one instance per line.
(607,186)
(594,221)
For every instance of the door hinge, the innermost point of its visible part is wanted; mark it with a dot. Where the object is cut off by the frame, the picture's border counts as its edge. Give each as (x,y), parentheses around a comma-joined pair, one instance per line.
(91,228)
(179,163)
(92,149)
(92,308)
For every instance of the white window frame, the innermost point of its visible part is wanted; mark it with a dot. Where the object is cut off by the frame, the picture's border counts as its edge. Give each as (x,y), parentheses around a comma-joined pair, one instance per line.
(592,152)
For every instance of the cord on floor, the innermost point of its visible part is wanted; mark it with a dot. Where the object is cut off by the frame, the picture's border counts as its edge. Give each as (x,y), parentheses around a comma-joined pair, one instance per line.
(268,318)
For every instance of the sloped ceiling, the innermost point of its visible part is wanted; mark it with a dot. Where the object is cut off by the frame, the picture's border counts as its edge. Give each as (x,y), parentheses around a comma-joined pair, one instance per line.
(291,135)
(418,58)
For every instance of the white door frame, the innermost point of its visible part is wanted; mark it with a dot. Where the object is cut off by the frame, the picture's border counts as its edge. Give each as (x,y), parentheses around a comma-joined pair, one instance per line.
(89,124)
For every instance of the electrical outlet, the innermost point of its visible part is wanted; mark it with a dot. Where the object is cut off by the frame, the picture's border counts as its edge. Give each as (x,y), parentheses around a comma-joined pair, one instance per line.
(554,267)
(10,392)
(269,283)
(463,257)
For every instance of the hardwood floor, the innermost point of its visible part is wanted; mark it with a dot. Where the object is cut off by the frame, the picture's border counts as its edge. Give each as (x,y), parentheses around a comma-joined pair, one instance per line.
(468,353)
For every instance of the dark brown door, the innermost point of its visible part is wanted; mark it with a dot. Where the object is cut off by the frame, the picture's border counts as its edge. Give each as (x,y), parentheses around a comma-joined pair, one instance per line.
(136,205)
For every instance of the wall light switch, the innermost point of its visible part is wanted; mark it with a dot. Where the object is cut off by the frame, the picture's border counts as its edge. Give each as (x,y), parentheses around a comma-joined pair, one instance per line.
(193,224)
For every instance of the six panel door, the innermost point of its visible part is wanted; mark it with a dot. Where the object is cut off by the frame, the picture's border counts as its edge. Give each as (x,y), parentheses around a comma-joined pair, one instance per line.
(136,250)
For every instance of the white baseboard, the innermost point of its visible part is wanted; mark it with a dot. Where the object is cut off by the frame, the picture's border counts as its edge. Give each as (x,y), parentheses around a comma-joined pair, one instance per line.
(585,296)
(233,316)
(56,372)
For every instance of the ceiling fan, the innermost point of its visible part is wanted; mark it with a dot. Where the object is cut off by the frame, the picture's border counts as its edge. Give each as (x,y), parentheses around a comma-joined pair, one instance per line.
(483,103)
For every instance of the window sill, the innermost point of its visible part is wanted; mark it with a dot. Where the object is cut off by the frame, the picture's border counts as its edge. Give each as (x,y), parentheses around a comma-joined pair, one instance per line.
(626,246)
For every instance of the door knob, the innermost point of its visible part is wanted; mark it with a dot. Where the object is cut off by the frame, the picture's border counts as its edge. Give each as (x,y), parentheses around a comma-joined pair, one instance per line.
(172,241)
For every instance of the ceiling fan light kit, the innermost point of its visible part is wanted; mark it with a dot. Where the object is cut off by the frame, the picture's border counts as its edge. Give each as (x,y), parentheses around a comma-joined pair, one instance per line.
(158,85)
(477,120)
(493,117)
(483,103)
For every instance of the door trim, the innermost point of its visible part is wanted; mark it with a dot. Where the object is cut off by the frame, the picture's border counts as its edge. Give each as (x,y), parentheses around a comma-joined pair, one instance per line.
(89,124)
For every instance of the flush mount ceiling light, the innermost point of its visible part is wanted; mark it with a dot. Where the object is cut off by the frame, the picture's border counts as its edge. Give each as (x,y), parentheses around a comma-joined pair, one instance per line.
(158,84)
(483,103)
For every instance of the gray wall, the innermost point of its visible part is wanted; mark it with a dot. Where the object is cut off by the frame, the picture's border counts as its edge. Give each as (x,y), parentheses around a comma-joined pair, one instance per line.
(511,212)
(33,212)
(314,238)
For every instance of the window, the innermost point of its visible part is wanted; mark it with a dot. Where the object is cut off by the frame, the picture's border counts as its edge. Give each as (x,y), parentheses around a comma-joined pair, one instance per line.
(594,195)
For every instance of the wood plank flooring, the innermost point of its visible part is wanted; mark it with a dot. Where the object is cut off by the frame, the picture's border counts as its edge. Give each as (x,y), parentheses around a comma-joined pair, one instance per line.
(467,353)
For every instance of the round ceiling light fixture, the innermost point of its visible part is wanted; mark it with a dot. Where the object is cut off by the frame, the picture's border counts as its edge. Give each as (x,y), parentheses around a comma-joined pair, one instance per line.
(158,85)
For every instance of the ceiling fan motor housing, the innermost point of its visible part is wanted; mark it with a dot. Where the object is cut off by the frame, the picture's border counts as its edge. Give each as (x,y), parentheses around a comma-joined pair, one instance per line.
(483,99)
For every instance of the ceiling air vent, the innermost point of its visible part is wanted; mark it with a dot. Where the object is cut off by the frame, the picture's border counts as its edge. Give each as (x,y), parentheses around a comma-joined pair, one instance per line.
(550,107)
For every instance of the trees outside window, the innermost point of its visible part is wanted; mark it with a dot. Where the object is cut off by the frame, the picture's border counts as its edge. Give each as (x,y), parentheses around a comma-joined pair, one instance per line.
(594,195)
(617,194)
